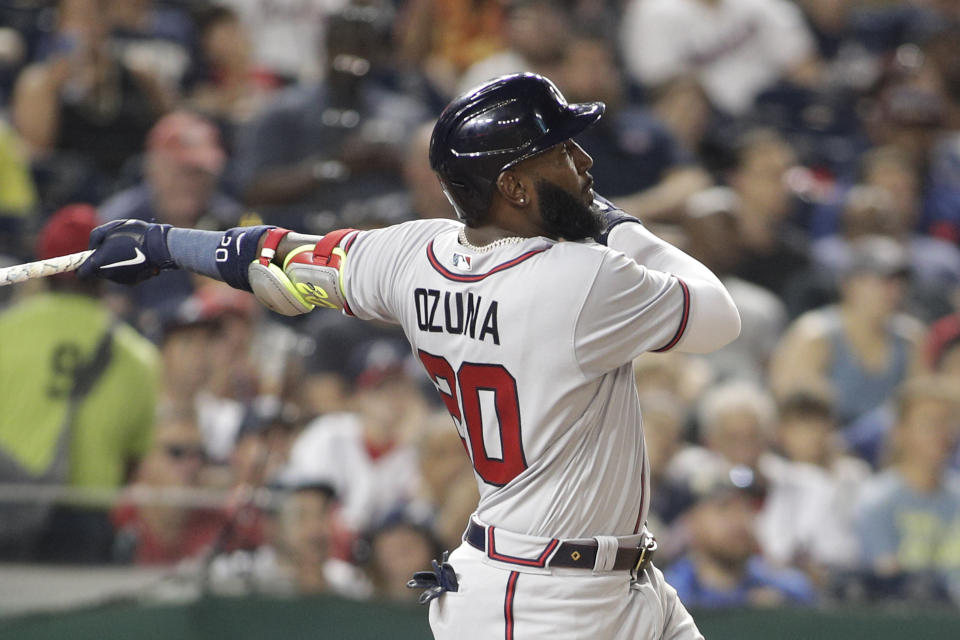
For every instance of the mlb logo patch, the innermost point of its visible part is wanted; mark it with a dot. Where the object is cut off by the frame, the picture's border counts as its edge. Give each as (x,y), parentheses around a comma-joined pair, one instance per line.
(461,261)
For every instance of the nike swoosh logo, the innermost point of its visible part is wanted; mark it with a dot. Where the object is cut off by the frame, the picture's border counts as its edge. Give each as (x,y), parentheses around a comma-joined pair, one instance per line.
(136,259)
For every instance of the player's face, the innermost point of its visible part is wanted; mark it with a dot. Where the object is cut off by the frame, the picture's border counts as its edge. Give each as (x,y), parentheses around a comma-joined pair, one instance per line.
(564,190)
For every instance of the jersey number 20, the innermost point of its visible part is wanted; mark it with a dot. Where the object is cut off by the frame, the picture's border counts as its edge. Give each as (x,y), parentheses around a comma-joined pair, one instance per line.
(469,381)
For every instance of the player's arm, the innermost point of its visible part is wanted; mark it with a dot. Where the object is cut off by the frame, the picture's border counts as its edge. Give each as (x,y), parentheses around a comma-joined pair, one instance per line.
(709,316)
(289,273)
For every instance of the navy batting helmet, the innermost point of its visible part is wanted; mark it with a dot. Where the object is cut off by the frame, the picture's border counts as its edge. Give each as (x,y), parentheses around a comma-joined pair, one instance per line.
(493,127)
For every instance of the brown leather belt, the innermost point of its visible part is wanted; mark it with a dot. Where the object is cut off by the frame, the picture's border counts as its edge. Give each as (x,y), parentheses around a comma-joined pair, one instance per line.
(580,555)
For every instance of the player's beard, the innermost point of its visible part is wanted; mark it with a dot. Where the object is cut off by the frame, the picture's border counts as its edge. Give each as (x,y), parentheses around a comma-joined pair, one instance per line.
(565,216)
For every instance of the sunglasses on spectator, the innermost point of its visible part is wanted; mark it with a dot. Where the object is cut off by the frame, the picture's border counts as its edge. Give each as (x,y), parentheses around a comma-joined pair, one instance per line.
(182,451)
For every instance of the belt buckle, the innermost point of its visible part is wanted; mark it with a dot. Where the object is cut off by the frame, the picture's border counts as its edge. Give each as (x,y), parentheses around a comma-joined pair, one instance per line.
(647,549)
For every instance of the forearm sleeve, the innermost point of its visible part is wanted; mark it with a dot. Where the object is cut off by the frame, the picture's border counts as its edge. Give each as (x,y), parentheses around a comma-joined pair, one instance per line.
(195,250)
(714,319)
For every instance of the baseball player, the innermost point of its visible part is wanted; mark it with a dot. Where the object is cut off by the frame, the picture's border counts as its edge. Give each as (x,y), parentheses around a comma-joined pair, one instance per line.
(526,314)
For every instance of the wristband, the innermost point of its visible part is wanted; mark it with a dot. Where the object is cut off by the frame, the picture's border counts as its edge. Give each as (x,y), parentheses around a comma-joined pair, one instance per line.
(237,249)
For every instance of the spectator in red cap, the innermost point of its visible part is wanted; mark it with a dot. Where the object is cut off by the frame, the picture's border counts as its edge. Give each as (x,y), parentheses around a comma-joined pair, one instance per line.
(78,391)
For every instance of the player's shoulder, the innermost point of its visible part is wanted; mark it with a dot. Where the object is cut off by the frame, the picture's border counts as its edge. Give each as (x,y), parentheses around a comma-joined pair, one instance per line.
(413,231)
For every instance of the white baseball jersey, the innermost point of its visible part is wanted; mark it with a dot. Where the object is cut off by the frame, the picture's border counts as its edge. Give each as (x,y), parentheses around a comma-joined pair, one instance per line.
(530,343)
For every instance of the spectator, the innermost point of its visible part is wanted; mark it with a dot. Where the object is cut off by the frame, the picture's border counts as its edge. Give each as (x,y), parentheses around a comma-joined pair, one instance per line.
(297,558)
(863,347)
(263,443)
(711,227)
(934,264)
(84,112)
(79,392)
(233,89)
(153,37)
(736,422)
(941,347)
(391,554)
(164,531)
(773,252)
(366,454)
(288,36)
(724,567)
(445,37)
(807,518)
(736,48)
(426,196)
(183,162)
(909,516)
(664,418)
(322,146)
(18,195)
(536,34)
(640,165)
(684,108)
(447,491)
(870,211)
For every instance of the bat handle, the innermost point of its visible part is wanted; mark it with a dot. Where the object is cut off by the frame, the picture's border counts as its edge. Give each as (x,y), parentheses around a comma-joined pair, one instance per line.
(42,268)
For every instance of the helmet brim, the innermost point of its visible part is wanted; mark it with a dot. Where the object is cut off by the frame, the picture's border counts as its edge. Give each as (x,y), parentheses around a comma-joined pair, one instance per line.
(577,118)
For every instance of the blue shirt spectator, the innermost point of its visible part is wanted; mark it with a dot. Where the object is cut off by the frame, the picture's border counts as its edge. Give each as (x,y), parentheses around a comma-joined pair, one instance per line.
(789,585)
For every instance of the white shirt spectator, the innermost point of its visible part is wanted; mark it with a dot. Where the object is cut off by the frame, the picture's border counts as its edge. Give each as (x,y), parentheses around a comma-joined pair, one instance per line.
(331,450)
(736,48)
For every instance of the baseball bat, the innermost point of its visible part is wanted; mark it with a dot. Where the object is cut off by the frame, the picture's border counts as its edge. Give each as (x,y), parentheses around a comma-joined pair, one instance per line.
(42,268)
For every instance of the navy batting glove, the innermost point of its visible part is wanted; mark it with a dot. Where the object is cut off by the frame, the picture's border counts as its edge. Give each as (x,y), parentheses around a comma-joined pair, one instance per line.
(127,251)
(611,218)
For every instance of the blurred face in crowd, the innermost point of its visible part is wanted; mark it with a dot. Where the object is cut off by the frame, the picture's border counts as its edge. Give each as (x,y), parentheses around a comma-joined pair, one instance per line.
(927,431)
(397,553)
(683,106)
(738,436)
(442,456)
(950,362)
(873,296)
(869,211)
(424,188)
(806,438)
(186,356)
(539,31)
(662,430)
(721,528)
(181,191)
(306,530)
(590,73)
(899,179)
(84,21)
(386,404)
(177,456)
(759,178)
(226,44)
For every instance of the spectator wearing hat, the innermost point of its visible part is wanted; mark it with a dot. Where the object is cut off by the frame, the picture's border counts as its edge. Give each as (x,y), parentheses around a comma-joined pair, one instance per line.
(864,346)
(366,454)
(723,567)
(78,391)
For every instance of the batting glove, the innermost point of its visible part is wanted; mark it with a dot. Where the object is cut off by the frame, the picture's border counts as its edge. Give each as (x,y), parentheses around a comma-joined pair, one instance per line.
(127,251)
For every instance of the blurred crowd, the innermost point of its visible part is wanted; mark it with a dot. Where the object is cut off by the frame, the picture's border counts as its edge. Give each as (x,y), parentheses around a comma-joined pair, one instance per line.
(808,151)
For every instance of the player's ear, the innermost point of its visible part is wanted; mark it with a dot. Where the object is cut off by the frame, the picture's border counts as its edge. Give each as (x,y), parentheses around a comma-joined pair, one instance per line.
(512,188)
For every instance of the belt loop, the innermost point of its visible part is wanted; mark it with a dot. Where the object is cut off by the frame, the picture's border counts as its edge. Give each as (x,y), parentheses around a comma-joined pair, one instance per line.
(607,547)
